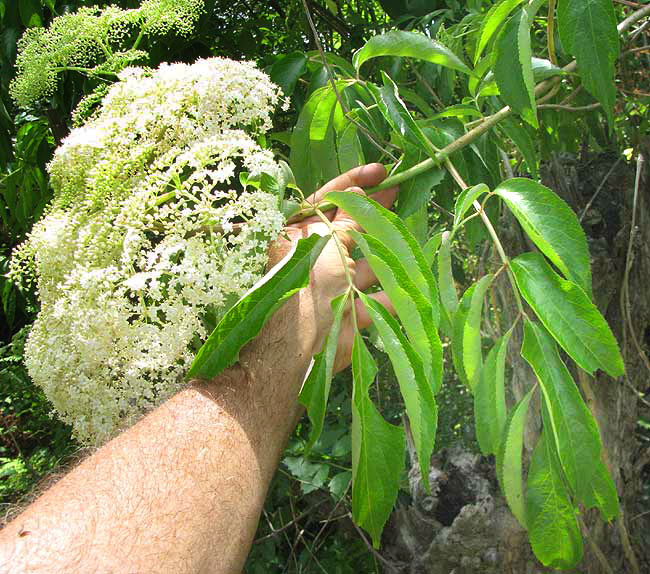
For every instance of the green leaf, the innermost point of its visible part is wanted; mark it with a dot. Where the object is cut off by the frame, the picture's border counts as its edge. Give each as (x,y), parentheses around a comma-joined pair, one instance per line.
(490,398)
(416,192)
(542,70)
(524,142)
(378,450)
(572,427)
(413,310)
(568,314)
(430,248)
(316,388)
(512,65)
(601,492)
(384,225)
(397,115)
(30,13)
(416,391)
(408,45)
(465,200)
(246,318)
(509,458)
(448,294)
(459,111)
(588,31)
(322,116)
(286,70)
(495,16)
(350,153)
(552,225)
(552,525)
(466,340)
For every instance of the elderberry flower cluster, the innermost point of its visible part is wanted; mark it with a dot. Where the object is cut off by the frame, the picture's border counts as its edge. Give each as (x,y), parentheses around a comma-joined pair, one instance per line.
(94,41)
(150,237)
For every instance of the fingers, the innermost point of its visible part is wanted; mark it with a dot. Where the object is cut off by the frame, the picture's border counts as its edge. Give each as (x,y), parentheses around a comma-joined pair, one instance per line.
(364,276)
(363,318)
(362,176)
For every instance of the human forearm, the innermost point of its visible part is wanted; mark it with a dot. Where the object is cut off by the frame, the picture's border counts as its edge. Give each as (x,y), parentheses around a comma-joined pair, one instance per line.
(182,490)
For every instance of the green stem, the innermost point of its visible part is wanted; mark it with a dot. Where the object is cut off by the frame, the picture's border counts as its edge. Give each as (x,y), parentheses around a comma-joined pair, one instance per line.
(493,234)
(550,32)
(138,39)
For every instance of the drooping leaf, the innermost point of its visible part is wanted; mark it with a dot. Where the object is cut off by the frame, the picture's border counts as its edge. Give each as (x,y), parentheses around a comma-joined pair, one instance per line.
(397,115)
(466,339)
(512,64)
(552,225)
(286,70)
(413,310)
(408,45)
(490,398)
(601,492)
(245,319)
(430,248)
(573,428)
(378,450)
(448,294)
(316,388)
(465,200)
(495,16)
(416,192)
(509,458)
(524,142)
(390,230)
(416,391)
(553,529)
(588,31)
(568,314)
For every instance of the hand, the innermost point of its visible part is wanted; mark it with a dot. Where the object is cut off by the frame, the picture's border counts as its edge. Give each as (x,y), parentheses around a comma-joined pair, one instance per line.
(328,279)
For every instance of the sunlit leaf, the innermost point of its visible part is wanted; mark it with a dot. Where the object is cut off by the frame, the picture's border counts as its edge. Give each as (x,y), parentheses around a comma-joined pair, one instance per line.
(408,45)
(244,320)
(568,314)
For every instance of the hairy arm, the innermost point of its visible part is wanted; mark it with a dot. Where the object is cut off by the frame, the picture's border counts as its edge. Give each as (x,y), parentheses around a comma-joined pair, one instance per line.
(182,490)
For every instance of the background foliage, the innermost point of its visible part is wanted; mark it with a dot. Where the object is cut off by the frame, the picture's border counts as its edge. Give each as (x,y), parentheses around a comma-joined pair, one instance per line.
(306,524)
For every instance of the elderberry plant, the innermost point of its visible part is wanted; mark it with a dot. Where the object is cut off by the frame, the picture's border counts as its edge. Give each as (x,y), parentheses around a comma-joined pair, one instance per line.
(150,236)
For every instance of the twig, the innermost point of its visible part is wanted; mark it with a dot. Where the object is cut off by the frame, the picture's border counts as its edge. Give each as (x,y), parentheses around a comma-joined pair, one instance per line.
(597,551)
(550,34)
(602,184)
(635,50)
(372,549)
(493,234)
(275,531)
(626,24)
(625,294)
(429,89)
(569,108)
(628,3)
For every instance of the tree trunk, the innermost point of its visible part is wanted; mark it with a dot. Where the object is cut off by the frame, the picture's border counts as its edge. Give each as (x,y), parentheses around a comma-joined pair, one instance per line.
(464,526)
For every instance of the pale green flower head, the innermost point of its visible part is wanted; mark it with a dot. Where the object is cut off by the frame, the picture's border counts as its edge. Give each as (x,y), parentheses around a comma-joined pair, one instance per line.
(93,41)
(150,237)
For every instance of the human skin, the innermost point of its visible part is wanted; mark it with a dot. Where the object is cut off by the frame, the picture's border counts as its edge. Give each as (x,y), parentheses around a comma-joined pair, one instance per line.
(182,490)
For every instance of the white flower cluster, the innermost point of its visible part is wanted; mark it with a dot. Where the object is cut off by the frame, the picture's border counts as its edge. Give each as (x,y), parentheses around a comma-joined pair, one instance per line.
(149,238)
